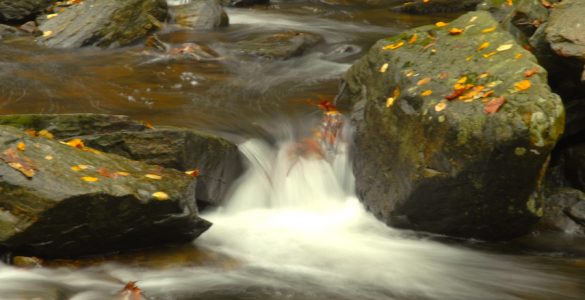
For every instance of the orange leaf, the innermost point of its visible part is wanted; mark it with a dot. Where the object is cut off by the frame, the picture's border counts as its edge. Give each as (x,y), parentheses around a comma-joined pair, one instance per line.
(161,196)
(483,46)
(393,46)
(455,31)
(492,106)
(427,93)
(441,24)
(20,163)
(31,132)
(424,81)
(89,179)
(530,72)
(194,173)
(21,146)
(412,39)
(522,85)
(77,143)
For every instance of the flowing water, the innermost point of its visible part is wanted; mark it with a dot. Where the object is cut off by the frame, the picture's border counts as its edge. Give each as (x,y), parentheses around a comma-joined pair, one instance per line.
(292,227)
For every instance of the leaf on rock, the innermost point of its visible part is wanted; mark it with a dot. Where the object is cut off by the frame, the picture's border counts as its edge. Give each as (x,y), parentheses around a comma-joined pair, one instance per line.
(122,173)
(483,46)
(427,93)
(530,72)
(490,29)
(440,106)
(518,55)
(504,47)
(49,157)
(78,168)
(20,163)
(384,68)
(441,24)
(153,176)
(21,146)
(522,85)
(89,179)
(413,39)
(492,106)
(393,46)
(46,134)
(455,31)
(395,95)
(161,196)
(194,173)
(424,81)
(76,143)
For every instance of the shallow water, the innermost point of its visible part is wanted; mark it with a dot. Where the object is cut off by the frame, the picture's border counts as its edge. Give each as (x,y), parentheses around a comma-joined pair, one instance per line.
(292,228)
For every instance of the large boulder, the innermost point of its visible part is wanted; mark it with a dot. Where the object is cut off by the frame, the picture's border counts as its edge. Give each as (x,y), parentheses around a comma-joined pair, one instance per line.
(103,23)
(455,123)
(21,10)
(217,160)
(200,14)
(62,200)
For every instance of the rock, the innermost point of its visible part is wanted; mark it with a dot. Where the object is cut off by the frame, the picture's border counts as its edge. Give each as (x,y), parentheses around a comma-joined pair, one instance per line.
(217,159)
(564,213)
(464,167)
(103,23)
(27,262)
(64,126)
(243,3)
(200,14)
(565,30)
(63,201)
(7,31)
(574,165)
(282,45)
(435,6)
(21,10)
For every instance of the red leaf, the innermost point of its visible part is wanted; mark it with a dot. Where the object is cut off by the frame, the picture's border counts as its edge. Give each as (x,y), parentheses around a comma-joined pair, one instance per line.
(493,105)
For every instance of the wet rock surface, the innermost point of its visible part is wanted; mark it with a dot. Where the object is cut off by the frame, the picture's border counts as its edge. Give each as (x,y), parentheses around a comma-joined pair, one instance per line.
(200,14)
(456,147)
(281,45)
(564,213)
(62,201)
(435,6)
(243,3)
(103,23)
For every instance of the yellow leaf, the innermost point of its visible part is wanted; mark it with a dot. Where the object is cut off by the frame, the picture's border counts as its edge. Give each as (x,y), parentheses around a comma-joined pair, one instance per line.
(50,16)
(518,56)
(383,68)
(194,172)
(488,55)
(78,168)
(522,85)
(160,196)
(395,95)
(47,33)
(427,93)
(462,80)
(122,173)
(483,46)
(424,81)
(89,179)
(76,143)
(46,134)
(153,176)
(441,24)
(484,75)
(455,31)
(393,46)
(440,106)
(49,157)
(490,29)
(504,47)
(21,146)
(510,2)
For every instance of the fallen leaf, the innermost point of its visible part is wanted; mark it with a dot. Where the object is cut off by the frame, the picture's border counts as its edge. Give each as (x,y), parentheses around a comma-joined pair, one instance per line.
(47,33)
(50,16)
(483,46)
(393,46)
(522,85)
(153,176)
(161,196)
(384,68)
(488,30)
(20,163)
(78,168)
(440,106)
(49,157)
(484,75)
(530,72)
(488,55)
(76,143)
(462,80)
(89,179)
(122,173)
(518,56)
(21,146)
(441,24)
(46,134)
(455,94)
(413,39)
(424,81)
(494,105)
(455,31)
(395,95)
(130,292)
(427,93)
(31,132)
(504,47)
(194,173)
(106,173)
(510,2)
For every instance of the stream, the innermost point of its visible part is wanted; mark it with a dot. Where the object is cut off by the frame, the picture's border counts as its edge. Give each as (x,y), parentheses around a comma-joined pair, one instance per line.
(292,227)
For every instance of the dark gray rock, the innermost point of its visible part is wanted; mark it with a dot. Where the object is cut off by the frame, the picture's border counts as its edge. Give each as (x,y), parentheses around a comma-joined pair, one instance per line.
(103,23)
(243,3)
(21,10)
(436,6)
(62,201)
(564,213)
(431,152)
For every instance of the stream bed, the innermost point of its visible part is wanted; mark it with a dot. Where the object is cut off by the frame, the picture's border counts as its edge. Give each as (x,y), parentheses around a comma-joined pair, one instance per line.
(292,227)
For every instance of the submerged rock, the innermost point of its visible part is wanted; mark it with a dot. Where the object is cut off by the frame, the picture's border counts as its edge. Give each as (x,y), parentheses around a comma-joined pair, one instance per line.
(21,10)
(61,201)
(200,14)
(457,146)
(282,45)
(218,160)
(103,23)
(435,6)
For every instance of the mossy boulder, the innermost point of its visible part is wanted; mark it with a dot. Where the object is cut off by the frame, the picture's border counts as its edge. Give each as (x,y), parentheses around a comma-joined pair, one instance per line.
(455,124)
(200,14)
(21,10)
(218,160)
(103,23)
(63,201)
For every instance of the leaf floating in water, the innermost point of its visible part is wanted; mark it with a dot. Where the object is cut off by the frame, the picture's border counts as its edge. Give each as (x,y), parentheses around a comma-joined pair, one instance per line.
(153,176)
(522,85)
(89,179)
(494,105)
(20,163)
(441,24)
(21,146)
(490,29)
(160,196)
(194,173)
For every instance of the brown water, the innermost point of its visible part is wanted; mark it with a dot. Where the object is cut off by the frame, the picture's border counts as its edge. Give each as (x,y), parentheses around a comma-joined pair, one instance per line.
(299,240)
